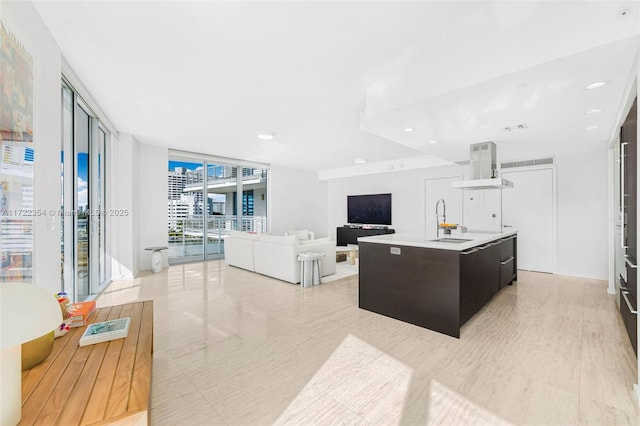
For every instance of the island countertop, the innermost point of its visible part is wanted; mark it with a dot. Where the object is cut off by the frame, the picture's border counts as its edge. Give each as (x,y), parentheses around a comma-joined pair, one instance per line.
(414,239)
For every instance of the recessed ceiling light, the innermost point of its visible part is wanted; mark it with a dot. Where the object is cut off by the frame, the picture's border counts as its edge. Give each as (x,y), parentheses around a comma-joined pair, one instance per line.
(359,161)
(593,127)
(433,141)
(624,13)
(594,111)
(408,129)
(265,136)
(596,85)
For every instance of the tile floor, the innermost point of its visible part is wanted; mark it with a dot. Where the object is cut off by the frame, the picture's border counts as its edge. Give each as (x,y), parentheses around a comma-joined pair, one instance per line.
(237,348)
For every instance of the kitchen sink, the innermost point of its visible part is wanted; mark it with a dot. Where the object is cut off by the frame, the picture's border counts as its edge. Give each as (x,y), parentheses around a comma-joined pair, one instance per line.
(451,240)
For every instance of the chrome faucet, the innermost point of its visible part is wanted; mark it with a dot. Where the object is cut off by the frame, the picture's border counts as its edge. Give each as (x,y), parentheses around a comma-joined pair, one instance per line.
(444,215)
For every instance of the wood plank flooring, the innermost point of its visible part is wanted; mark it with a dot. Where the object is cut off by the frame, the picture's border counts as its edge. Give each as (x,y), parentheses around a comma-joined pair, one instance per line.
(236,348)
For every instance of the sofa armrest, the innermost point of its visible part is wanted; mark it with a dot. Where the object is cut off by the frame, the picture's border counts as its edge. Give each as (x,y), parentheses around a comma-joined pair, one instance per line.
(277,260)
(239,252)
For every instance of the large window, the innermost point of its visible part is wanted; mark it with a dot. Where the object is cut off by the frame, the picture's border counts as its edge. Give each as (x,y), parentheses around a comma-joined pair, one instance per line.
(83,157)
(203,205)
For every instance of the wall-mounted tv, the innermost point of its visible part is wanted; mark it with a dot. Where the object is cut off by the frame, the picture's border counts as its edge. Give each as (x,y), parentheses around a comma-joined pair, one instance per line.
(373,209)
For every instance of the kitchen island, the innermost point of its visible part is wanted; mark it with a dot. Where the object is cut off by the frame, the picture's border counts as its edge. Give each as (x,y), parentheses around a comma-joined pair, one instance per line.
(439,283)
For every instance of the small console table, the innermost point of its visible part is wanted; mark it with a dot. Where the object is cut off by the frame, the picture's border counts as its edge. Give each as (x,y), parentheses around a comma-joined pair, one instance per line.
(156,257)
(310,268)
(349,235)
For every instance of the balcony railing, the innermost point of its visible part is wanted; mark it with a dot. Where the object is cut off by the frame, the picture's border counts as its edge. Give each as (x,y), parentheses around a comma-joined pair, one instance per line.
(214,181)
(186,235)
(16,248)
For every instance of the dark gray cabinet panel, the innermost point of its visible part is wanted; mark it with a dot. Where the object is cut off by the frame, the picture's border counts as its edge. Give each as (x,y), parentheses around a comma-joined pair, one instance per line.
(629,152)
(507,261)
(432,288)
(628,310)
(490,283)
(470,269)
(347,235)
(418,285)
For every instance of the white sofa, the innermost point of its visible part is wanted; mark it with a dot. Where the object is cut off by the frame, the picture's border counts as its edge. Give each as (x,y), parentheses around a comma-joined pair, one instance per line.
(276,255)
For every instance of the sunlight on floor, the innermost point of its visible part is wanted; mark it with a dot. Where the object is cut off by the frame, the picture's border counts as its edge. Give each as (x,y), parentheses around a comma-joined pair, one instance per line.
(447,407)
(372,384)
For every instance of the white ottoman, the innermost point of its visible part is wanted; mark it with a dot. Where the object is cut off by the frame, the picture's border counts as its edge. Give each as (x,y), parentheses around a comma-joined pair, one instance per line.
(310,268)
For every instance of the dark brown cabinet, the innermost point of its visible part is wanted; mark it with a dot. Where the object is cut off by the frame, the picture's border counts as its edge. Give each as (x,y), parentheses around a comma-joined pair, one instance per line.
(470,270)
(411,284)
(349,235)
(489,276)
(508,262)
(629,315)
(484,270)
(437,289)
(629,197)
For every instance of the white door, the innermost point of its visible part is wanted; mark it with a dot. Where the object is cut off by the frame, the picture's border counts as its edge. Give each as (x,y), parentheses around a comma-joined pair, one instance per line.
(481,209)
(436,189)
(529,207)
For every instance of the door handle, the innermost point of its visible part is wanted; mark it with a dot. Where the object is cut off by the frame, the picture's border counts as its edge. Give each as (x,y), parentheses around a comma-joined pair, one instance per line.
(631,264)
(626,299)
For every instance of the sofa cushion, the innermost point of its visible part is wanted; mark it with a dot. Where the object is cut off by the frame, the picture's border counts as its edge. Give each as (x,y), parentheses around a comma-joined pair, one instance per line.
(243,235)
(300,234)
(278,239)
(314,241)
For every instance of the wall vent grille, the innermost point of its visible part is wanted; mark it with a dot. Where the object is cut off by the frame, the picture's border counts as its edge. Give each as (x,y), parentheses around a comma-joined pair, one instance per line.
(527,163)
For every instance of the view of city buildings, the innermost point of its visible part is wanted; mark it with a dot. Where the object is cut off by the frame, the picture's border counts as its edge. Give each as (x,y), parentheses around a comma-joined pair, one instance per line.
(194,211)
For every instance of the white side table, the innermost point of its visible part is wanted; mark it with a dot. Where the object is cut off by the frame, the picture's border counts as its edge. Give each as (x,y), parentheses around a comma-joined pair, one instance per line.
(310,268)
(156,257)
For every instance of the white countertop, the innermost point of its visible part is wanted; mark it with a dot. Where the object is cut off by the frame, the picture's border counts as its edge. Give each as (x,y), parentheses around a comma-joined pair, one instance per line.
(414,239)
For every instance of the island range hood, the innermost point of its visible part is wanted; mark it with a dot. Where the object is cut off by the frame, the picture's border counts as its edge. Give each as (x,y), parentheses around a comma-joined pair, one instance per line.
(482,163)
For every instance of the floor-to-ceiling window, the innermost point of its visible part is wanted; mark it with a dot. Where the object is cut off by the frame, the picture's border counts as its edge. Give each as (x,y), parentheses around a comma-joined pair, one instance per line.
(203,206)
(83,253)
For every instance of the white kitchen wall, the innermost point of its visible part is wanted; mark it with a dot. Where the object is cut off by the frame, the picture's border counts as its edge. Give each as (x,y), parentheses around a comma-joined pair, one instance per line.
(151,169)
(24,22)
(582,207)
(297,199)
(583,215)
(407,190)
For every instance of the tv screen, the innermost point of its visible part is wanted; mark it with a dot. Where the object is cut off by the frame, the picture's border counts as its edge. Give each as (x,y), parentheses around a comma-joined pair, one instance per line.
(374,209)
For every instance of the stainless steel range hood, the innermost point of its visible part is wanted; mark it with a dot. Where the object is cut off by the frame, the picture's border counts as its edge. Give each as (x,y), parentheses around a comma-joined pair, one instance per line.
(482,163)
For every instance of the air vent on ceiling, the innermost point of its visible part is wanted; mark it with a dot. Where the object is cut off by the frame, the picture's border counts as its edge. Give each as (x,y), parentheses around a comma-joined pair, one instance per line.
(527,163)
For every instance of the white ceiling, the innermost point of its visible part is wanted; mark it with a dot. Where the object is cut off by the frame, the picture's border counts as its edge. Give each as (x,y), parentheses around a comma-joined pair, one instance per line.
(336,81)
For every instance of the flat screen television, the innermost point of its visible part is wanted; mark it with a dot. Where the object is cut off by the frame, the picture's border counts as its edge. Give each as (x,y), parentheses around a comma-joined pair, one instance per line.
(373,209)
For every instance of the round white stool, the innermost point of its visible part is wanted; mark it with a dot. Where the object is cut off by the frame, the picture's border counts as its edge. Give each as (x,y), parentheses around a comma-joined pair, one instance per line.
(310,268)
(156,257)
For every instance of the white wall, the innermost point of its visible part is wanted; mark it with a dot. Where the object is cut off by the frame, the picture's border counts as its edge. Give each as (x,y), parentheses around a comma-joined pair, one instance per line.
(583,215)
(582,207)
(407,190)
(122,230)
(150,172)
(24,22)
(297,199)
